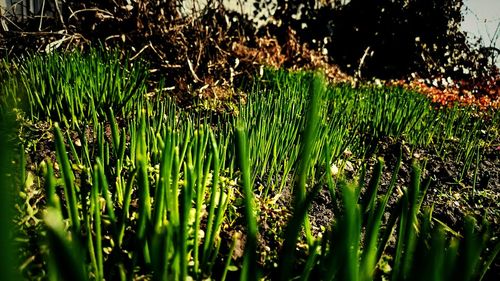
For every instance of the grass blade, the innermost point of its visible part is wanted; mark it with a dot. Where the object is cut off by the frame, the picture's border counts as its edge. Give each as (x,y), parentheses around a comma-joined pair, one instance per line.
(69,178)
(249,271)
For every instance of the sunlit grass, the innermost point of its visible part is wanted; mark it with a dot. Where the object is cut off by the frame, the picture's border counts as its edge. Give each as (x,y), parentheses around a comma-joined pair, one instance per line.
(142,189)
(73,88)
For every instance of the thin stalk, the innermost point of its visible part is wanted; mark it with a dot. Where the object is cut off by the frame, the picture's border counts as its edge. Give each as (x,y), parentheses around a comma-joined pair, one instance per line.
(69,186)
(249,271)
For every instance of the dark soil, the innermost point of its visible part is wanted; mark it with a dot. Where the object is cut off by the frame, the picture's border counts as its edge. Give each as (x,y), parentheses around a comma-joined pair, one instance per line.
(451,198)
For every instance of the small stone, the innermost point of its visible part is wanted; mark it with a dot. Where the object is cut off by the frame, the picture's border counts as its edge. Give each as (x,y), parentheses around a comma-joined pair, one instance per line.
(349,166)
(334,170)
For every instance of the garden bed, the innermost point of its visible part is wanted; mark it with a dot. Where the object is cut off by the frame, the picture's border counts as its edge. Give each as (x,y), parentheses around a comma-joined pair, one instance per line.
(117,180)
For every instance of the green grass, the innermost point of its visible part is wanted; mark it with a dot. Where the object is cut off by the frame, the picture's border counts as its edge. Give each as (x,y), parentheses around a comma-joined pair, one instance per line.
(8,181)
(73,88)
(143,189)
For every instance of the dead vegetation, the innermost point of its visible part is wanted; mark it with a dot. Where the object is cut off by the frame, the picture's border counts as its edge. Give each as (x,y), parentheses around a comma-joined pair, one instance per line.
(200,52)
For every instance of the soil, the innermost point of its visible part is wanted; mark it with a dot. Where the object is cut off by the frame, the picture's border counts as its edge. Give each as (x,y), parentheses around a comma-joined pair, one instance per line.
(451,199)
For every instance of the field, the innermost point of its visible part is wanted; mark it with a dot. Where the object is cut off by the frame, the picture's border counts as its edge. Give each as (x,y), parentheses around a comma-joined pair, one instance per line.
(290,177)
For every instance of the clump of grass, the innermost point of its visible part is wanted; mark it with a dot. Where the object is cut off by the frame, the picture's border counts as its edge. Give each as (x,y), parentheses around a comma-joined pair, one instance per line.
(353,120)
(171,198)
(71,88)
